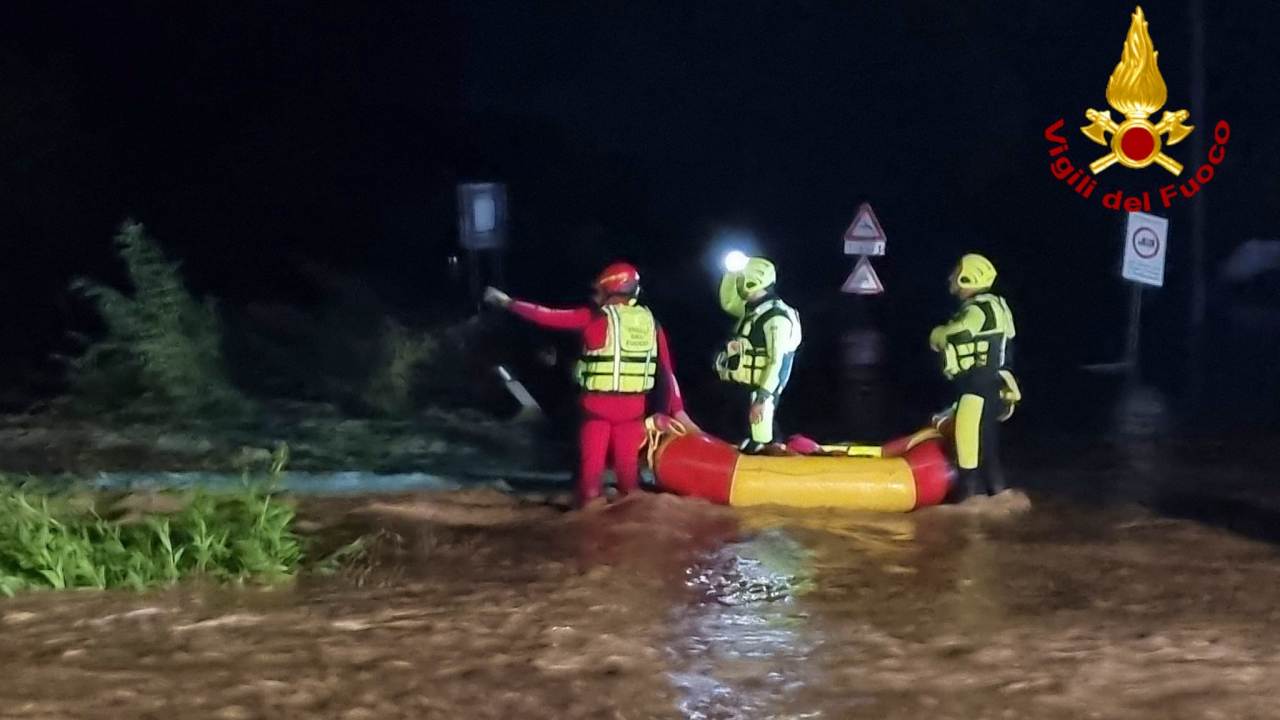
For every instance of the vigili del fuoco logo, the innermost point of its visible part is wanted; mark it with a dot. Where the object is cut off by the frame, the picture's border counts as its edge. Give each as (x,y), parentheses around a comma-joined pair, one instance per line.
(1137,91)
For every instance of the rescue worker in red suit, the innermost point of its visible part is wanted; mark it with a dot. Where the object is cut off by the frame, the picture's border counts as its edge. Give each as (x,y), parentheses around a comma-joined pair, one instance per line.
(624,350)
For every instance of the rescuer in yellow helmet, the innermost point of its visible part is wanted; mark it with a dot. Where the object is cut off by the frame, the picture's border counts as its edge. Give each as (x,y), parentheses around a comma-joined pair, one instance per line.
(975,346)
(759,356)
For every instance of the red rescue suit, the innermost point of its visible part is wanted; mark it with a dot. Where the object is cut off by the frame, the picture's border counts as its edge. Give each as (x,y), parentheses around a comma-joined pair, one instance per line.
(613,422)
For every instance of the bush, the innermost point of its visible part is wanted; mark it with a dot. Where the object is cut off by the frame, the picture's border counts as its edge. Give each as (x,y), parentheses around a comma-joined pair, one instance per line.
(162,351)
(390,390)
(353,351)
(60,541)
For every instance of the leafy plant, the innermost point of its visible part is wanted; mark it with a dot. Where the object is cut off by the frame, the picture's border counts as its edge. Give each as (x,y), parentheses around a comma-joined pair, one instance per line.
(390,390)
(52,541)
(162,347)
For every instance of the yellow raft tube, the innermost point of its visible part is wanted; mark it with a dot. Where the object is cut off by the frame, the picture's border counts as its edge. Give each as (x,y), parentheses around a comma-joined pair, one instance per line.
(900,476)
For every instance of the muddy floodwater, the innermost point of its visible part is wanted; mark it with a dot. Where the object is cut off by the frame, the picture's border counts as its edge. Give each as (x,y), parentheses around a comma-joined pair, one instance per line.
(1105,602)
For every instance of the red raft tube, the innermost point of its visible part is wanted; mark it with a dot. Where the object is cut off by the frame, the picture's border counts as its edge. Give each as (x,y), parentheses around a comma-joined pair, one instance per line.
(900,476)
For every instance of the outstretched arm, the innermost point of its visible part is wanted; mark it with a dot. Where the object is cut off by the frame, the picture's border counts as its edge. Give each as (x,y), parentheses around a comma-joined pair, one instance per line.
(552,318)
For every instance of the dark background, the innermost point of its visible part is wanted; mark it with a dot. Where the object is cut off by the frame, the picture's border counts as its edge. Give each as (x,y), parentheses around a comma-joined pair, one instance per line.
(261,141)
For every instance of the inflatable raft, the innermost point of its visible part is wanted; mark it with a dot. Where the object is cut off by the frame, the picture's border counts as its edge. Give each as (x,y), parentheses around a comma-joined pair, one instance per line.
(900,476)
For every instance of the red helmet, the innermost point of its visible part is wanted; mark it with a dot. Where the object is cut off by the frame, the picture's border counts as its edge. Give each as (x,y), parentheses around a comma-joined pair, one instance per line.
(618,279)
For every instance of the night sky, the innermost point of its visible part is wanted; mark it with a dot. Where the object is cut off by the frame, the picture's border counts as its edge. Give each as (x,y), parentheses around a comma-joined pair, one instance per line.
(257,140)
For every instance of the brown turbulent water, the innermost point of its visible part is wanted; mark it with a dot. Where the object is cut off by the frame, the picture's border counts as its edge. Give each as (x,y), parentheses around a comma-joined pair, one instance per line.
(479,605)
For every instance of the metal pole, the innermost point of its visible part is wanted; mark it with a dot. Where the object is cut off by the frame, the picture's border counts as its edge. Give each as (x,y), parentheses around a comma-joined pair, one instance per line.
(1198,293)
(473,270)
(1135,330)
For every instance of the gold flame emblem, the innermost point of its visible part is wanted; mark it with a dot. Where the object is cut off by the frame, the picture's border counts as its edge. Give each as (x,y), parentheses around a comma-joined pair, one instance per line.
(1136,90)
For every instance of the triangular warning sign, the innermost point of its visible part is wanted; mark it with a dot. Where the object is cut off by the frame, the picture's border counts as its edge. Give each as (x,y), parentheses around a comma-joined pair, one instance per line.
(865,226)
(863,280)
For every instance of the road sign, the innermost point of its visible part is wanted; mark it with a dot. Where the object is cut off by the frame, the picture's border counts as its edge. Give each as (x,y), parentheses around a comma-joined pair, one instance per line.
(482,216)
(1145,242)
(863,280)
(864,236)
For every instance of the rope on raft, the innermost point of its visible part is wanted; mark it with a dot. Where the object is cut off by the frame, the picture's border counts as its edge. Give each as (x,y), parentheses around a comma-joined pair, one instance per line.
(655,428)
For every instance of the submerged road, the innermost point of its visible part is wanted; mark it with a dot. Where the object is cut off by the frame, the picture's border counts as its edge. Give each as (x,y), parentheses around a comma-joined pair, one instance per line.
(1140,580)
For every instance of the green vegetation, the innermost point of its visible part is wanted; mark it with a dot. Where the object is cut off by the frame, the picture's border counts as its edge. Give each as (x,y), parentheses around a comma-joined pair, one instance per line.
(64,540)
(162,351)
(390,390)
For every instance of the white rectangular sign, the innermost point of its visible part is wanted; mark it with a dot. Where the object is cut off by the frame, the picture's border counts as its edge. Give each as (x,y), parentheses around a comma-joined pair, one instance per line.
(863,247)
(1145,243)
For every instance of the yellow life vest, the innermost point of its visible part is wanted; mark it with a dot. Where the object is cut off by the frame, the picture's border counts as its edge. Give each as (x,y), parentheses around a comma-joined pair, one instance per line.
(627,362)
(746,357)
(967,350)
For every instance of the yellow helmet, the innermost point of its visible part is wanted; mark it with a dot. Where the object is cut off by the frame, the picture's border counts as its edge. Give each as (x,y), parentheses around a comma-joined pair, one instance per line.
(759,274)
(975,272)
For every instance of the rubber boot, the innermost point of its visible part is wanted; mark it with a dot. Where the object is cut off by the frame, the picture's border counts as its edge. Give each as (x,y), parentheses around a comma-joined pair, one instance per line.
(995,481)
(965,486)
(971,481)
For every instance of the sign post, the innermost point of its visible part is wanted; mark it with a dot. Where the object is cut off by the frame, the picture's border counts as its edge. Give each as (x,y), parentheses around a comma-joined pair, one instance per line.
(862,395)
(864,238)
(1135,325)
(1145,247)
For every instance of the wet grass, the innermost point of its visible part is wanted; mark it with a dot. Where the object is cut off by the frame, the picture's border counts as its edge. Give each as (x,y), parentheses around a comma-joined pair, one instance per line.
(52,539)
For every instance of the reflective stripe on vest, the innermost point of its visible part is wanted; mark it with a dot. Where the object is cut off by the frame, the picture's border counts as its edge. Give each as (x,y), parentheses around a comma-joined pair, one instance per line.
(746,356)
(967,351)
(627,362)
